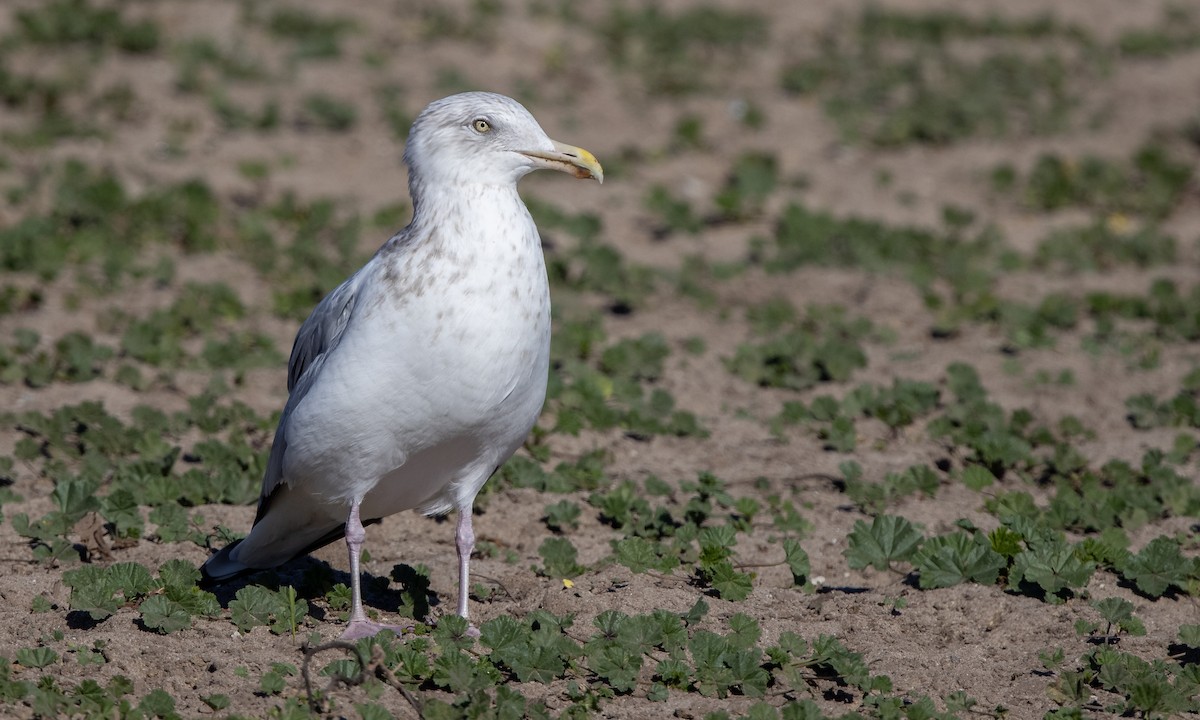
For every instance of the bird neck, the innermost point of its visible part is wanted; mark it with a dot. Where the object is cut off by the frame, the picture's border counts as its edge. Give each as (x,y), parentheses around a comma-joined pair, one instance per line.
(434,202)
(453,192)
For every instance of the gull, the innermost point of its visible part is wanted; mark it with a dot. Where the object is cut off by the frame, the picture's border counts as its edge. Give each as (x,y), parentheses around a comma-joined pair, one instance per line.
(420,375)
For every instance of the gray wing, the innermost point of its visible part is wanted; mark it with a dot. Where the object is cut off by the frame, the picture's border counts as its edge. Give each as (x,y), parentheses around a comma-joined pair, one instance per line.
(322,330)
(317,337)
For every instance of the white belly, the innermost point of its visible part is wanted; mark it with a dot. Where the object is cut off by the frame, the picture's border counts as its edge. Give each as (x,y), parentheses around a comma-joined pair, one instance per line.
(427,392)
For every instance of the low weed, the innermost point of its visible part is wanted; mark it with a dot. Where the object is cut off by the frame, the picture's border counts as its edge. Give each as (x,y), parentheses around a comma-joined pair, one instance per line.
(893,78)
(673,53)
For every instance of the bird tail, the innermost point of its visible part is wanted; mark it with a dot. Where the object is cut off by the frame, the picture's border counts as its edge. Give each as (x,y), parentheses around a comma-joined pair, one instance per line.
(222,567)
(225,566)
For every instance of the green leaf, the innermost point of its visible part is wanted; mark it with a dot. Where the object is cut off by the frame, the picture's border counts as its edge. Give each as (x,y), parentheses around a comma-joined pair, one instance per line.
(888,539)
(120,507)
(291,611)
(171,521)
(616,664)
(164,615)
(696,613)
(745,667)
(639,555)
(1114,609)
(672,672)
(1190,635)
(829,652)
(457,672)
(92,591)
(538,663)
(451,632)
(132,579)
(713,677)
(562,515)
(977,477)
(729,583)
(75,498)
(1119,612)
(948,560)
(273,683)
(38,657)
(1053,568)
(503,633)
(560,558)
(92,697)
(1157,567)
(668,632)
(707,648)
(253,605)
(1005,542)
(371,711)
(339,597)
(744,631)
(797,561)
(193,600)
(801,710)
(178,573)
(158,703)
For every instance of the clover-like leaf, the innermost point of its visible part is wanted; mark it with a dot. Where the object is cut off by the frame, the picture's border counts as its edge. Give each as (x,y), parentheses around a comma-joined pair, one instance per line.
(744,631)
(560,557)
(92,591)
(887,540)
(38,657)
(164,615)
(948,560)
(458,672)
(157,703)
(253,605)
(290,613)
(616,664)
(178,573)
(639,555)
(193,600)
(747,673)
(728,582)
(797,560)
(503,633)
(1158,566)
(536,663)
(1119,612)
(132,579)
(977,477)
(1190,635)
(1053,568)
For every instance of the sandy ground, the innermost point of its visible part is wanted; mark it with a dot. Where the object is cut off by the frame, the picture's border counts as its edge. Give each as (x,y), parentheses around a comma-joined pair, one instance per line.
(981,640)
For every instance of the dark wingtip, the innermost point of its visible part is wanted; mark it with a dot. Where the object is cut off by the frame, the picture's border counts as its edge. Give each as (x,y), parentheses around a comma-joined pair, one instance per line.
(220,568)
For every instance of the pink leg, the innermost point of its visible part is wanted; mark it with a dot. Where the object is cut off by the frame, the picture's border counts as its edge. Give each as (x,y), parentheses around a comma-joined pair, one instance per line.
(464,541)
(359,626)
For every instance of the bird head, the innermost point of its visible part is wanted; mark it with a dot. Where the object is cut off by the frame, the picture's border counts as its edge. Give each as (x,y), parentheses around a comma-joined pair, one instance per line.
(487,138)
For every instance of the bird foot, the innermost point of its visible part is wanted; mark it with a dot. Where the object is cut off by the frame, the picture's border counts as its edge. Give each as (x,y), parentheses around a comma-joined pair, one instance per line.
(358,629)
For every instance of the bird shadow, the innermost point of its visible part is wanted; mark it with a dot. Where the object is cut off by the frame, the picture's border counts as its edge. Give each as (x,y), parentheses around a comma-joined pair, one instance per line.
(314,580)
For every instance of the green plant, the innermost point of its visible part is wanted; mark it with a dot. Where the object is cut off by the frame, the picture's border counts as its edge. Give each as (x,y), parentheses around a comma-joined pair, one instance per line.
(821,347)
(669,49)
(326,112)
(64,22)
(315,37)
(893,78)
(1149,184)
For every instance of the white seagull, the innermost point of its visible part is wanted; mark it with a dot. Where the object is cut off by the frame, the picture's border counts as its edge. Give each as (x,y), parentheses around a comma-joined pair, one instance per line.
(422,373)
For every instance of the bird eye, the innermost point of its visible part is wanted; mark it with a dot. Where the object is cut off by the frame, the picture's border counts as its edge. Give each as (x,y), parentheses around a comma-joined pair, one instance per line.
(481,126)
